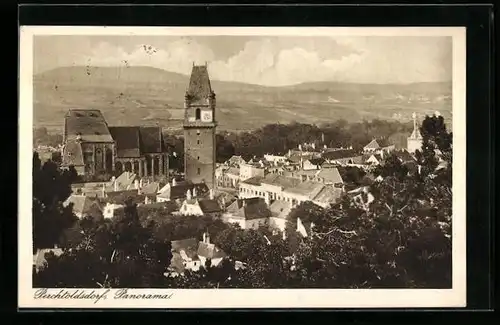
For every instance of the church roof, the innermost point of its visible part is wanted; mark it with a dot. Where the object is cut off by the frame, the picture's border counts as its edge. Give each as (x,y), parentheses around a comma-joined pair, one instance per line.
(88,124)
(416,134)
(133,141)
(199,84)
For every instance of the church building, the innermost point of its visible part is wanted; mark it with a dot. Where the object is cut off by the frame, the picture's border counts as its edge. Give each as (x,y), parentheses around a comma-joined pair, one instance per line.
(415,140)
(94,148)
(199,128)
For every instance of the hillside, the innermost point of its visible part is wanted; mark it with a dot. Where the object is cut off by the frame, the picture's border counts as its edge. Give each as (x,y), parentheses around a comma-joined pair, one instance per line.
(145,95)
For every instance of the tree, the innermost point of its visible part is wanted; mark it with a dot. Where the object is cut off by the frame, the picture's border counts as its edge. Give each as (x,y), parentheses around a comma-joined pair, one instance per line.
(51,188)
(118,253)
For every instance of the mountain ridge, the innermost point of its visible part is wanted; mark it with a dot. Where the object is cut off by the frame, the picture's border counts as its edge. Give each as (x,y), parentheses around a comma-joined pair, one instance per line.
(143,95)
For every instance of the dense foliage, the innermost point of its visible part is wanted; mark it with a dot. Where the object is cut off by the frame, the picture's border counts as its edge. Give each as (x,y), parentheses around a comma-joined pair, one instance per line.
(51,187)
(117,253)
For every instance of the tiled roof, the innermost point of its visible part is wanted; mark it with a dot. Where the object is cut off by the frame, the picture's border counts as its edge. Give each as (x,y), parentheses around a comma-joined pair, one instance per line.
(81,204)
(134,141)
(256,180)
(179,190)
(72,154)
(151,139)
(89,124)
(120,197)
(372,145)
(189,246)
(317,161)
(253,208)
(199,84)
(233,171)
(150,189)
(127,141)
(281,181)
(236,160)
(125,181)
(340,154)
(280,209)
(404,155)
(328,194)
(308,189)
(209,206)
(330,175)
(210,251)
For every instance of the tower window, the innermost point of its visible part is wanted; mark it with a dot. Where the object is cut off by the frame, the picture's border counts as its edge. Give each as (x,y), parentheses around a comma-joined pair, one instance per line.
(198,114)
(199,171)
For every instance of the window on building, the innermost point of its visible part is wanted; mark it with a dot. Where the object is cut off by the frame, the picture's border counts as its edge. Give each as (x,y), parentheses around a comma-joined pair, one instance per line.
(198,141)
(198,114)
(198,157)
(199,171)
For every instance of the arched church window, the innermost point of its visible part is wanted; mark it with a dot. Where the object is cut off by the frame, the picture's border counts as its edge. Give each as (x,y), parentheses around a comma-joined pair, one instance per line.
(198,114)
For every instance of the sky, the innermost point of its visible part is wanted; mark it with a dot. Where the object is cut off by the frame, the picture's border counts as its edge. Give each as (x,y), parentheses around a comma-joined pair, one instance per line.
(262,60)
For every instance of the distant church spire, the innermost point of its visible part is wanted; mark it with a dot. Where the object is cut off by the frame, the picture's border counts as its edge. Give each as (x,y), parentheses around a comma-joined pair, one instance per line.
(416,132)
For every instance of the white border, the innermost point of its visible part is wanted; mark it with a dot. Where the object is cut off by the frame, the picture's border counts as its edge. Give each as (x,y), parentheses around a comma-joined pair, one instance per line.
(250,298)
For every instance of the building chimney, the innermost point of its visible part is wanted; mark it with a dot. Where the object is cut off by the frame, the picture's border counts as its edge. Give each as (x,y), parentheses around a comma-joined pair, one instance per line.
(140,183)
(267,198)
(188,195)
(204,237)
(103,190)
(174,182)
(211,194)
(194,191)
(136,184)
(115,185)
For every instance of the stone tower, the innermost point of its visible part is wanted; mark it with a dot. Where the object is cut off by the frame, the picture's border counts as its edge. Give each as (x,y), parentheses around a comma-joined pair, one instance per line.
(199,128)
(415,140)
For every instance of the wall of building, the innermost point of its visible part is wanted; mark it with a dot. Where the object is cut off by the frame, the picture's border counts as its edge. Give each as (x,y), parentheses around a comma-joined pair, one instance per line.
(414,145)
(190,209)
(249,171)
(277,223)
(199,155)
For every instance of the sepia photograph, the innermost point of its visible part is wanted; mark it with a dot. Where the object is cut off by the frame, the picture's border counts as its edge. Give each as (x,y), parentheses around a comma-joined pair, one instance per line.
(157,161)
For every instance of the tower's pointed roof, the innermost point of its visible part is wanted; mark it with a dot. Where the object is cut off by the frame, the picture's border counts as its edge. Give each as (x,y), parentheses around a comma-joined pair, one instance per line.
(416,132)
(199,83)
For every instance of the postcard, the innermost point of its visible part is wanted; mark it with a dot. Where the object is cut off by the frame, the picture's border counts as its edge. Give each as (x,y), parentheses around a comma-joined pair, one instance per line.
(242,167)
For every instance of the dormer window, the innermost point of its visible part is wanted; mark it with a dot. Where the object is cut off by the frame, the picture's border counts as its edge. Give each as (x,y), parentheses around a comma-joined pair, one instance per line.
(78,114)
(92,115)
(198,114)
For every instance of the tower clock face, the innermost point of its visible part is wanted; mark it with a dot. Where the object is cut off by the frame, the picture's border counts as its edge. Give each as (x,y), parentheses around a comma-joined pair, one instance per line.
(206,116)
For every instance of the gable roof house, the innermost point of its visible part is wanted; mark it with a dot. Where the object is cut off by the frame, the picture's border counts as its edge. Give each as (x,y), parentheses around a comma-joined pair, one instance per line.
(343,156)
(248,213)
(184,256)
(84,206)
(177,190)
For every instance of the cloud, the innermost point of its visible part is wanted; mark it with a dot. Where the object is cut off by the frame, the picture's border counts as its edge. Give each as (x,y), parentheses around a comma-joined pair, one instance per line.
(273,61)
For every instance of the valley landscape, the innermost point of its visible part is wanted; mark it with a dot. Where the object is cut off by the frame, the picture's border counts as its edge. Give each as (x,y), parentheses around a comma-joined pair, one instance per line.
(142,95)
